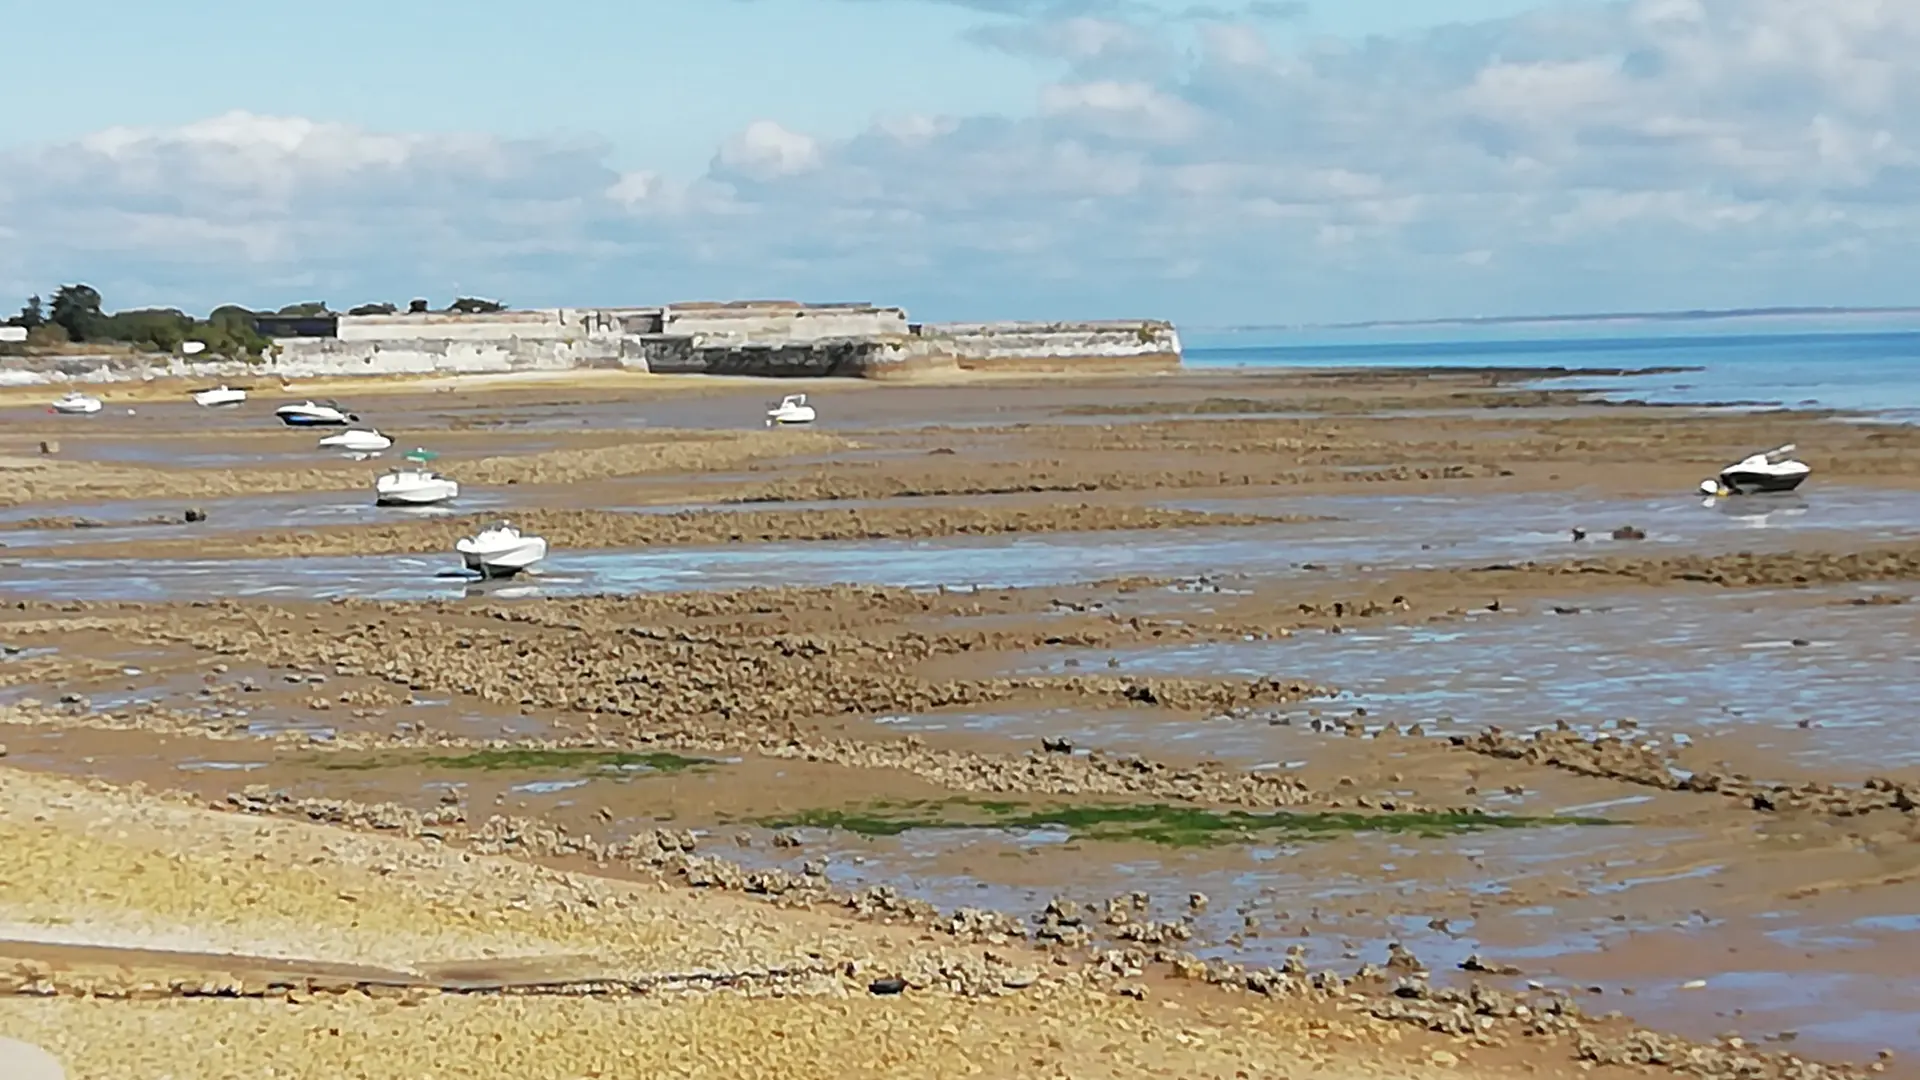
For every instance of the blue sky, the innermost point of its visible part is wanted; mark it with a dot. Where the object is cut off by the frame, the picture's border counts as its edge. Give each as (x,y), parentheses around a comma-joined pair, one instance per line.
(1220,162)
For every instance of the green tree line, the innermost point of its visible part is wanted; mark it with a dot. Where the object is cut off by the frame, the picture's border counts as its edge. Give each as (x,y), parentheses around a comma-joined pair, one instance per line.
(77,314)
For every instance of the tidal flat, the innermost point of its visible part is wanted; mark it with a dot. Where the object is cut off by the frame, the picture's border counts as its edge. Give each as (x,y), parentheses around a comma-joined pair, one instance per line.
(1106,723)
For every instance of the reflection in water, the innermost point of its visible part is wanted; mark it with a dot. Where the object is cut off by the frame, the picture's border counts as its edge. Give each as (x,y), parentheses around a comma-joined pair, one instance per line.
(493,590)
(1760,511)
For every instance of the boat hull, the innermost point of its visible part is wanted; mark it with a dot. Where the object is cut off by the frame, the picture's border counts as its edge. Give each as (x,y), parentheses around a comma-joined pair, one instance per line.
(504,564)
(356,445)
(416,496)
(1753,482)
(214,399)
(76,410)
(310,420)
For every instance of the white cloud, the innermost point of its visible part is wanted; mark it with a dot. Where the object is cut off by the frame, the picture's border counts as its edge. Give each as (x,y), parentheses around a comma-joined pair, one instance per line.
(637,188)
(764,150)
(1234,43)
(915,129)
(1126,110)
(1642,153)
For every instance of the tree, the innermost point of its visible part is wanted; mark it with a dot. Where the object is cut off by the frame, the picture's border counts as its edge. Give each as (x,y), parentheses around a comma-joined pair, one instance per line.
(76,309)
(46,336)
(154,329)
(30,317)
(417,307)
(469,305)
(312,309)
(230,332)
(374,309)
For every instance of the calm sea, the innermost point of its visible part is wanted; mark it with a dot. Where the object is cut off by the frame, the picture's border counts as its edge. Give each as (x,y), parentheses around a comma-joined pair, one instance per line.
(1871,365)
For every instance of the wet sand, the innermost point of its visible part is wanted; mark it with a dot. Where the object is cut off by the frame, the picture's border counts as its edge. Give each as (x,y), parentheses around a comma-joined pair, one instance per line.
(1303,704)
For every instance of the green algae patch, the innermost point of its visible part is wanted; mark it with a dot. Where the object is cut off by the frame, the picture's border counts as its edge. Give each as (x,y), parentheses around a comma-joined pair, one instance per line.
(531,759)
(1156,823)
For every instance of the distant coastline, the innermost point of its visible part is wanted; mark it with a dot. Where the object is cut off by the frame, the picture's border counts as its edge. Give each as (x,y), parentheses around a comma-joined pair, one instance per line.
(1694,315)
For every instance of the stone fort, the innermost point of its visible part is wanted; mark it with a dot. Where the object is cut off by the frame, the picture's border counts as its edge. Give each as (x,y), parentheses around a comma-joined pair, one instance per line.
(753,337)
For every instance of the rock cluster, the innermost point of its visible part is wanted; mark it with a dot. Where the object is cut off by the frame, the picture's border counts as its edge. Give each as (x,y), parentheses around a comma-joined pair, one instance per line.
(1744,570)
(1616,758)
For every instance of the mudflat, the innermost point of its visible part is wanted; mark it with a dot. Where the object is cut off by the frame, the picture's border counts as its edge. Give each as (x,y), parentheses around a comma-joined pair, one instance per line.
(1356,723)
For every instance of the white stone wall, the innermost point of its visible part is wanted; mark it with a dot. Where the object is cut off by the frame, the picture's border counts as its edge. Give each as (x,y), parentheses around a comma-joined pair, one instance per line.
(551,324)
(553,339)
(745,324)
(314,357)
(987,344)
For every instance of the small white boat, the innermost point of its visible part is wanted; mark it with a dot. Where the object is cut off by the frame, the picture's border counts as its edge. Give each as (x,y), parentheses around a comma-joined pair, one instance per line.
(501,551)
(414,484)
(76,403)
(220,397)
(357,441)
(1773,471)
(312,414)
(793,409)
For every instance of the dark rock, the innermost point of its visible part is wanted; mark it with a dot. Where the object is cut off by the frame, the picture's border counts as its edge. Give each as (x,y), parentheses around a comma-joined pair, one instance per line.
(194,514)
(893,984)
(1474,963)
(1057,746)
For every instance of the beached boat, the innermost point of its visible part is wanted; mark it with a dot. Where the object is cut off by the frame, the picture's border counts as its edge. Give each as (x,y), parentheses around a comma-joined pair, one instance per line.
(356,441)
(793,409)
(314,414)
(1771,472)
(414,484)
(501,551)
(76,403)
(219,397)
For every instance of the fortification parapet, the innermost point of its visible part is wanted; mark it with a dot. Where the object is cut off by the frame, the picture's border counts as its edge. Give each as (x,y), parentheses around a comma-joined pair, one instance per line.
(751,337)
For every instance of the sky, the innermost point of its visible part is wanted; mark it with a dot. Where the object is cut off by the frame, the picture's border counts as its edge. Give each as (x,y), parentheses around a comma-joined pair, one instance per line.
(1217,162)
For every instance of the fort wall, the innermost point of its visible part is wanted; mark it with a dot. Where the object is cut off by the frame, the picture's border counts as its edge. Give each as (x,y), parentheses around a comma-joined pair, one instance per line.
(780,339)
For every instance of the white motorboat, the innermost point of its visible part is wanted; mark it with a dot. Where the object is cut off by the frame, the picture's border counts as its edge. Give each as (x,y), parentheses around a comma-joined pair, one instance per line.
(314,414)
(220,397)
(356,441)
(501,551)
(414,484)
(793,409)
(1774,471)
(76,403)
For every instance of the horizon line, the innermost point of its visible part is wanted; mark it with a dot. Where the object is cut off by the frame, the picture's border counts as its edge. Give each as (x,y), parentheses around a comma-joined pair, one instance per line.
(1675,315)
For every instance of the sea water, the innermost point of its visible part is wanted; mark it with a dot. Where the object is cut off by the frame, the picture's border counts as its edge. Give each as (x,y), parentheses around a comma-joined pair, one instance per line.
(1864,364)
